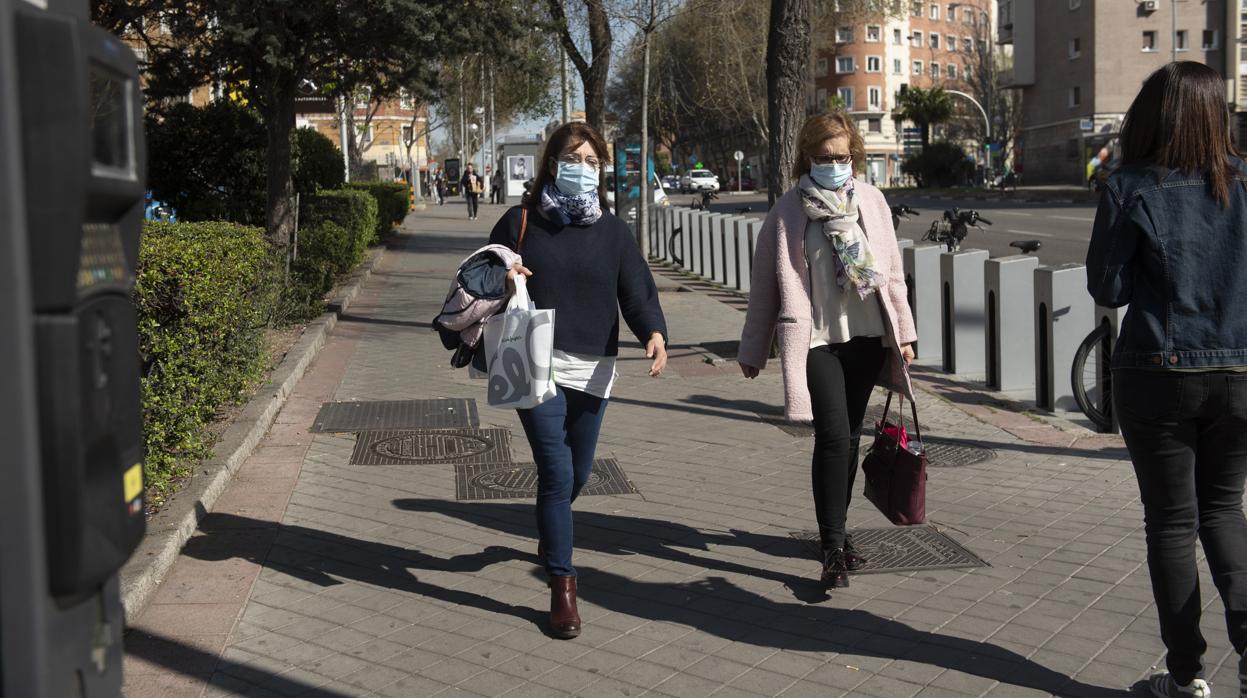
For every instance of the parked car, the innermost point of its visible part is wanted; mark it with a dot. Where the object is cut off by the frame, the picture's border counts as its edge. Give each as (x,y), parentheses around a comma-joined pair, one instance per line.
(671,182)
(659,194)
(698,180)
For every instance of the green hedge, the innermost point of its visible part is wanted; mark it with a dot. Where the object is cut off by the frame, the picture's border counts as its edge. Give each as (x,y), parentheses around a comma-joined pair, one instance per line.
(352,209)
(206,292)
(393,202)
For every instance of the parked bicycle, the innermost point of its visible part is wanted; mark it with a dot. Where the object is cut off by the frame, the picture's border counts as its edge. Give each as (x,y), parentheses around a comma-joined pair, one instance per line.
(1092,378)
(901,211)
(704,203)
(953,227)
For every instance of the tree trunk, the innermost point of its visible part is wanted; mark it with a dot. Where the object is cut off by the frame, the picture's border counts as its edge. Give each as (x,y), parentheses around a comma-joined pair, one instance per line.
(787,66)
(599,66)
(279,123)
(642,217)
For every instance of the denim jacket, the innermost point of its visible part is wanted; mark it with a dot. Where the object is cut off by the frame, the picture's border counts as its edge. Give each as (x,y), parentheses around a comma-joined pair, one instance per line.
(1163,244)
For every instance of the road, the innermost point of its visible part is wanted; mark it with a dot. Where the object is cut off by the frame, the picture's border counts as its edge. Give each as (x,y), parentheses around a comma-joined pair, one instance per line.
(1062,228)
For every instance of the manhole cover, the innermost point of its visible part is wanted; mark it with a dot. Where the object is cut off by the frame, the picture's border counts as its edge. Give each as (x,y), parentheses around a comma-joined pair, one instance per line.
(445,413)
(432,446)
(904,549)
(519,480)
(954,454)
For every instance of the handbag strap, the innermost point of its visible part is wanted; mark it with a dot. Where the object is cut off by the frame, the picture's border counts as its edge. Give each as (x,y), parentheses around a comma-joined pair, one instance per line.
(523,228)
(900,413)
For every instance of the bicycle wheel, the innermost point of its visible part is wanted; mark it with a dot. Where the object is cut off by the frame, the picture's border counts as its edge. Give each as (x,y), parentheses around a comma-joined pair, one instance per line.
(671,247)
(1091,361)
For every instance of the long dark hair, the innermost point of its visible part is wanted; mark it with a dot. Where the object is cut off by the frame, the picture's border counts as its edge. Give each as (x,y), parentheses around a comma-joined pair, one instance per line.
(565,138)
(1180,120)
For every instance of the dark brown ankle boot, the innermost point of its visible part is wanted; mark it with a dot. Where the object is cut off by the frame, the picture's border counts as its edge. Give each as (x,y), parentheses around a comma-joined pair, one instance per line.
(564,618)
(835,571)
(853,560)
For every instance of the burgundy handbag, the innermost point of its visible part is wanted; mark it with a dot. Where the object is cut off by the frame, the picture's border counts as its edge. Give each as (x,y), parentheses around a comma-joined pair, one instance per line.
(896,476)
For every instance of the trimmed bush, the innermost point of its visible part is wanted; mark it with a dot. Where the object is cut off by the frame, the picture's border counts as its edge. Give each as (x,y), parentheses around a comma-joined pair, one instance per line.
(393,202)
(206,292)
(317,162)
(352,209)
(313,273)
(939,165)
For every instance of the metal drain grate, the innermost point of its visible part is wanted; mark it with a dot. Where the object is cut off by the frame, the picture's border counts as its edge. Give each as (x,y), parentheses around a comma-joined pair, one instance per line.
(906,549)
(477,446)
(444,413)
(519,481)
(954,454)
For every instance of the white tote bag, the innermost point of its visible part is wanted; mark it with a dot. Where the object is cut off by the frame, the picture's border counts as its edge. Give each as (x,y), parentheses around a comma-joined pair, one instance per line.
(519,348)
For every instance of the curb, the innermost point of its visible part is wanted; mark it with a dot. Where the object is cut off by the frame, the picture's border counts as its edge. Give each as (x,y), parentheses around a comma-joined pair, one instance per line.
(170,528)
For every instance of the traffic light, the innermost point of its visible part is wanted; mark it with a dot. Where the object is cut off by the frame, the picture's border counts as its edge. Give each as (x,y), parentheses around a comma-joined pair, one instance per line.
(71,188)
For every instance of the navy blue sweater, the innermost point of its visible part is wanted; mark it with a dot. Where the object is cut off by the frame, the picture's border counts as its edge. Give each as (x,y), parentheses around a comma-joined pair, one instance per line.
(588,275)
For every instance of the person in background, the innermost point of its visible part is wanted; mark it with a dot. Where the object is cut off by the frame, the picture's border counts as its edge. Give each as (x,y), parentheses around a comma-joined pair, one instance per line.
(827,278)
(472,185)
(1170,240)
(440,187)
(495,189)
(584,263)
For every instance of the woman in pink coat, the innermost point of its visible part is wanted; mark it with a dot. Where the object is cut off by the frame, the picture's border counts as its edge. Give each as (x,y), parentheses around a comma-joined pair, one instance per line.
(827,275)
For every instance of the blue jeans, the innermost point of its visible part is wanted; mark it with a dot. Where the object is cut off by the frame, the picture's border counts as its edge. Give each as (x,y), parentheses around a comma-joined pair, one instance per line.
(563,434)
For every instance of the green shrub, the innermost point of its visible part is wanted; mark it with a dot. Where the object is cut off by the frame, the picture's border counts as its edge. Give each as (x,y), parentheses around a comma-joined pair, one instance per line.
(317,162)
(352,209)
(940,165)
(205,295)
(314,271)
(393,203)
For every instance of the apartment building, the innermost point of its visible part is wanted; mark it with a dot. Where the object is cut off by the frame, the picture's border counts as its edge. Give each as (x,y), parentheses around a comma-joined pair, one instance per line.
(1079,64)
(384,139)
(918,44)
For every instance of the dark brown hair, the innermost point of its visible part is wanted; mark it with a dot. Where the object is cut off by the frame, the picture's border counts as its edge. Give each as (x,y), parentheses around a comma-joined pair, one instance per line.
(566,138)
(1180,120)
(819,128)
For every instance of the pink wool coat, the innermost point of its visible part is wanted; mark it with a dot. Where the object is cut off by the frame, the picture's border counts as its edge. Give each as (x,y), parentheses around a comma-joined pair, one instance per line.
(779,297)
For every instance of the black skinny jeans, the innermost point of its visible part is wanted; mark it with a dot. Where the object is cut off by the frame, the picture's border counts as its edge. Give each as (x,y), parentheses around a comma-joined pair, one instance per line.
(1187,436)
(474,203)
(841,378)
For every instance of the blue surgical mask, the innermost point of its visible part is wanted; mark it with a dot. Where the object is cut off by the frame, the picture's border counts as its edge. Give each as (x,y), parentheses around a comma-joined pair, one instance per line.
(831,176)
(576,178)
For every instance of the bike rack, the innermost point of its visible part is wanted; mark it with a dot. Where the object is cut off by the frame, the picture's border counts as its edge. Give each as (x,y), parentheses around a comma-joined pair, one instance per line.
(963,330)
(1009,297)
(695,260)
(730,250)
(922,276)
(684,244)
(1063,316)
(714,244)
(746,242)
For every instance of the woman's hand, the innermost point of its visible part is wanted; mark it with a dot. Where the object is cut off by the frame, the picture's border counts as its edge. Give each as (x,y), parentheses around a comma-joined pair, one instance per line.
(656,349)
(748,371)
(907,353)
(517,269)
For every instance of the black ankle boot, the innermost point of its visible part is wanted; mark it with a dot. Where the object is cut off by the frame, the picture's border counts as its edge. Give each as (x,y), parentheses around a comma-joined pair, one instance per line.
(835,571)
(852,559)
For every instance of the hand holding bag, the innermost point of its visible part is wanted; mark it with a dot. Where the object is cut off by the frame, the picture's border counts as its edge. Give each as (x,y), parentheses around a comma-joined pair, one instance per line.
(896,469)
(519,345)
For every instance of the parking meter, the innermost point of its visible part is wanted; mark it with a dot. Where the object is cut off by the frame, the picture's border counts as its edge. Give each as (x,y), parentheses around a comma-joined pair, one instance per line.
(84,165)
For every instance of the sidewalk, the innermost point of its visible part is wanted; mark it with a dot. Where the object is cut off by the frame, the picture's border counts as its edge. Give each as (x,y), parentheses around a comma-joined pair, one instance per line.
(317,577)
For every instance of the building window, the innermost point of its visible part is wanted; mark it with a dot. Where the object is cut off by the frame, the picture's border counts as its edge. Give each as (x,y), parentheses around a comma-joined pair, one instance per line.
(1179,40)
(1209,41)
(1075,97)
(1075,47)
(935,11)
(967,15)
(918,68)
(820,69)
(1075,4)
(407,135)
(950,42)
(915,39)
(844,35)
(844,64)
(967,45)
(1149,41)
(874,34)
(950,71)
(952,12)
(897,67)
(967,73)
(874,125)
(820,99)
(846,95)
(875,96)
(915,8)
(874,64)
(935,70)
(896,36)
(935,41)
(404,99)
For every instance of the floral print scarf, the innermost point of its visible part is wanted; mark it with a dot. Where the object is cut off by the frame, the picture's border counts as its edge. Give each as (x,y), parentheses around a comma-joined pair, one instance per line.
(838,214)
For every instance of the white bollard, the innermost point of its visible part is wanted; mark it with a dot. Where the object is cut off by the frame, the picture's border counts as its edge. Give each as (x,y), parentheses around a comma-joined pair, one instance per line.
(963,330)
(922,276)
(1010,298)
(1064,315)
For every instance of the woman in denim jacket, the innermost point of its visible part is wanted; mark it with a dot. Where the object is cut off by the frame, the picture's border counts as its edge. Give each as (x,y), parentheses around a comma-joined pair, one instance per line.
(1170,240)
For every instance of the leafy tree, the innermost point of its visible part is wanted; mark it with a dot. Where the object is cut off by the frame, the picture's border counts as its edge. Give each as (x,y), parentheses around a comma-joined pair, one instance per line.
(940,165)
(594,69)
(926,108)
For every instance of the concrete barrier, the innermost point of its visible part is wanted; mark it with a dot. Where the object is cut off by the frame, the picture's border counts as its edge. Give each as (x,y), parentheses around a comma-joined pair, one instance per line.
(964,326)
(922,276)
(1010,300)
(1064,315)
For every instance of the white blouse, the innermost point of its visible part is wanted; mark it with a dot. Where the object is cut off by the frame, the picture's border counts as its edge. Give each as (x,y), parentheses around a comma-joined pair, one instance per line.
(838,315)
(587,373)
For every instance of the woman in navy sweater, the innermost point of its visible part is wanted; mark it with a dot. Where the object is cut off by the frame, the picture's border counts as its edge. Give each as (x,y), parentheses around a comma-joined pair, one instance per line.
(583,262)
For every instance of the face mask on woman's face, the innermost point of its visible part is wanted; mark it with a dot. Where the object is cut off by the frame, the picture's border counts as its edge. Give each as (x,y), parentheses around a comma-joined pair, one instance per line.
(576,178)
(831,176)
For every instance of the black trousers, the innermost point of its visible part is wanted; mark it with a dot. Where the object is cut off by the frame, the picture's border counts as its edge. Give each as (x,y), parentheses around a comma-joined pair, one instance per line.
(474,203)
(840,378)
(1187,436)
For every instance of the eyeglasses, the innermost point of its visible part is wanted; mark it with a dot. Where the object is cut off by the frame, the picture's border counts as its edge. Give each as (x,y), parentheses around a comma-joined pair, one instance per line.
(832,159)
(574,159)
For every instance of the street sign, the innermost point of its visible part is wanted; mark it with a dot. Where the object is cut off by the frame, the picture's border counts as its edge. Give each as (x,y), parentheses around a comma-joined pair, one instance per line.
(1087,124)
(738,155)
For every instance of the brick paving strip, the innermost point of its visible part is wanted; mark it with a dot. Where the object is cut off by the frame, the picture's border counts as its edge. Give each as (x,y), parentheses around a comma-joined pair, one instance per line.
(315,577)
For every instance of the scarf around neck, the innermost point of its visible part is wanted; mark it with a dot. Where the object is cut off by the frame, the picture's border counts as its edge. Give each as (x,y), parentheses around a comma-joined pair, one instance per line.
(580,209)
(838,214)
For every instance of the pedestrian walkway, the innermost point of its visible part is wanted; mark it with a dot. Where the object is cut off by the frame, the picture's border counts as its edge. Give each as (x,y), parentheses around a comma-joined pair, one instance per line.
(317,577)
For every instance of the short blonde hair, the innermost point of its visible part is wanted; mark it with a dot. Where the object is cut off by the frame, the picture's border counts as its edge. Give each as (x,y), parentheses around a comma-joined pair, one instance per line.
(819,128)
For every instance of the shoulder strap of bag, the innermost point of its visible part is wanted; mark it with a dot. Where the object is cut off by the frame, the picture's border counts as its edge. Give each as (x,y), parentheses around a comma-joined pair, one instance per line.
(523,228)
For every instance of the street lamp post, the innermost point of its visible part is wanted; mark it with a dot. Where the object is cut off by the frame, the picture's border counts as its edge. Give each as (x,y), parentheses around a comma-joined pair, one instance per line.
(987,153)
